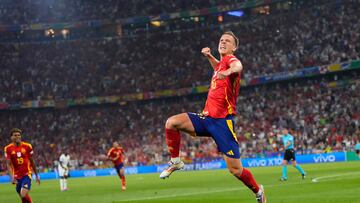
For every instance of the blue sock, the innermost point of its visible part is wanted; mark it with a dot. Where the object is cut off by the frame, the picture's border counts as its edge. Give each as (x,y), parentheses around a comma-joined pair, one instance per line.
(300,169)
(284,172)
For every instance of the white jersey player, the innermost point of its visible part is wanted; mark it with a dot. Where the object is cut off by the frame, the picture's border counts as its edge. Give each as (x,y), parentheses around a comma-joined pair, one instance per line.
(63,169)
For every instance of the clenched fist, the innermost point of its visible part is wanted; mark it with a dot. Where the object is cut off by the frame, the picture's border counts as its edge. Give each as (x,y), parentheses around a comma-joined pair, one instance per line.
(206,51)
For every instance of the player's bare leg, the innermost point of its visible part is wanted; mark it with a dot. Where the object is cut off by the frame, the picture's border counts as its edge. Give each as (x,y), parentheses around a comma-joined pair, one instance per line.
(122,177)
(180,122)
(24,195)
(235,168)
(173,126)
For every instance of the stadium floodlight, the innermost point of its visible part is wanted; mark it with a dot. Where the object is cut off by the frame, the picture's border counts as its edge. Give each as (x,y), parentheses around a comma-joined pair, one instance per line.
(65,33)
(156,23)
(49,32)
(238,13)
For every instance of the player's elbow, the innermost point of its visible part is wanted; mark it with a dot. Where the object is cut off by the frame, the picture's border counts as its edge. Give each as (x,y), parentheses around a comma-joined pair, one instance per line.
(238,68)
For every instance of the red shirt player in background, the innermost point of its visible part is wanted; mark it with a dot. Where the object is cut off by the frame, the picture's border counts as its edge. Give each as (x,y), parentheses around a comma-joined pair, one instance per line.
(217,118)
(20,163)
(116,155)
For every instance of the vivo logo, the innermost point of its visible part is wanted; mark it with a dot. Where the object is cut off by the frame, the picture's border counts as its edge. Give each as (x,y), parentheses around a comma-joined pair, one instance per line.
(131,170)
(265,162)
(324,159)
(89,173)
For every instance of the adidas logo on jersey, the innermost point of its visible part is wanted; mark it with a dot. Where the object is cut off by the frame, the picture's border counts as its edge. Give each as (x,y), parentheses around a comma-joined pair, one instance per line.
(231,153)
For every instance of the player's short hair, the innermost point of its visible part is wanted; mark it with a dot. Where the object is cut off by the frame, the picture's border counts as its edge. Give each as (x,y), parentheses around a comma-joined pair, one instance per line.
(15,130)
(234,36)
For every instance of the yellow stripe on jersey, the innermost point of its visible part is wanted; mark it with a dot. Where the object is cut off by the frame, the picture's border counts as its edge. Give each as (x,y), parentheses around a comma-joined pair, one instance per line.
(7,146)
(231,128)
(5,149)
(235,86)
(29,169)
(27,144)
(230,110)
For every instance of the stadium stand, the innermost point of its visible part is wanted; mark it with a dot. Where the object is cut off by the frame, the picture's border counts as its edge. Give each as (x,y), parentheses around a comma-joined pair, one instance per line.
(98,67)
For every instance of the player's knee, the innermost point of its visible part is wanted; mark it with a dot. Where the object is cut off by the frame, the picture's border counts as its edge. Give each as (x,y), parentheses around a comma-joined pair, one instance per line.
(171,123)
(235,171)
(23,193)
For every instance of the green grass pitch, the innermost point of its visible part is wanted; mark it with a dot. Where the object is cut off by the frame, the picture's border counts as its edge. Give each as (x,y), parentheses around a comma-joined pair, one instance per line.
(325,183)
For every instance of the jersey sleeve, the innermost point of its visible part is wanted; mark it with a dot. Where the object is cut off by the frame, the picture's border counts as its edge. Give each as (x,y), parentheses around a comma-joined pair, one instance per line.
(30,151)
(231,59)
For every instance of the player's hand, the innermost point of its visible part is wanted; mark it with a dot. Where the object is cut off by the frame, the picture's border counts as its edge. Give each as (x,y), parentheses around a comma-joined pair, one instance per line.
(13,181)
(223,74)
(38,180)
(206,51)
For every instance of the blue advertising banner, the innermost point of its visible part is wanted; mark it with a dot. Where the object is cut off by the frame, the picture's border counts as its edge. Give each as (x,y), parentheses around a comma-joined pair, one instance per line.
(302,159)
(249,162)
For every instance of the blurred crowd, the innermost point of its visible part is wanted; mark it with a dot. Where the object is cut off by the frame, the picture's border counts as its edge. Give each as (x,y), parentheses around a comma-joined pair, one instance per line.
(322,119)
(285,41)
(52,11)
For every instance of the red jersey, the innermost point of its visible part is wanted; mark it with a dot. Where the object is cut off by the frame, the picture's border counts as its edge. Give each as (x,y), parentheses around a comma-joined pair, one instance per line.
(19,157)
(221,100)
(116,152)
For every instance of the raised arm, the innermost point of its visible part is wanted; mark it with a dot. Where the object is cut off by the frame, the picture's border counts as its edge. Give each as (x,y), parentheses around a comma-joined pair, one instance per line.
(235,67)
(207,52)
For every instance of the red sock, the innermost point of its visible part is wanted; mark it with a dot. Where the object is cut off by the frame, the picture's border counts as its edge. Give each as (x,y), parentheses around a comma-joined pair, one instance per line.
(173,142)
(26,199)
(123,181)
(248,179)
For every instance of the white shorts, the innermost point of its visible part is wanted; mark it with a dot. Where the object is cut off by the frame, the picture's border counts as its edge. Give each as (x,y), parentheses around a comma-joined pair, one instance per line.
(63,172)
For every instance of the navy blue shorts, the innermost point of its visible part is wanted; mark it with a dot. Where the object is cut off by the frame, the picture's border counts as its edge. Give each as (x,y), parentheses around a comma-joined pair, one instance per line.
(119,167)
(220,129)
(24,182)
(289,155)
